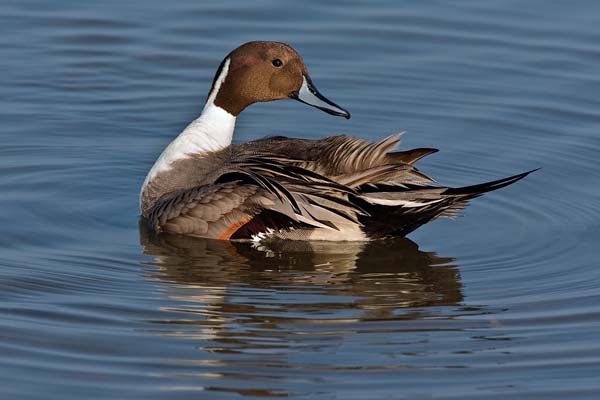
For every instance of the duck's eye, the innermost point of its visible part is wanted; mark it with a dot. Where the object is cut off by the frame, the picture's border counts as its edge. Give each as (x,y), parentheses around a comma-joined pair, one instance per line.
(277,63)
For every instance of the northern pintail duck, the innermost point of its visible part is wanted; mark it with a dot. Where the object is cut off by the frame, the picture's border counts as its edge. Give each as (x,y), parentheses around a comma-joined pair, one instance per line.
(336,188)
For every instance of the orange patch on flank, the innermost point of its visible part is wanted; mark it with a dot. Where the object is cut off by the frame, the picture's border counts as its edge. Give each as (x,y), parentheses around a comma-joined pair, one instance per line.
(227,233)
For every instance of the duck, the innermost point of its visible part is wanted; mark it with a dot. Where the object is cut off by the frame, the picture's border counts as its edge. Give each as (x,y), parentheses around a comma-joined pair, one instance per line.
(338,188)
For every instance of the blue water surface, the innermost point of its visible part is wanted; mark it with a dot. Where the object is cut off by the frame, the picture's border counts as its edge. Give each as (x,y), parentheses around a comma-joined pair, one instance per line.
(503,303)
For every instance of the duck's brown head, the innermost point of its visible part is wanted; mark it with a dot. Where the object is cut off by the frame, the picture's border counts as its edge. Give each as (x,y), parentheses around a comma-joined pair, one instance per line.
(265,71)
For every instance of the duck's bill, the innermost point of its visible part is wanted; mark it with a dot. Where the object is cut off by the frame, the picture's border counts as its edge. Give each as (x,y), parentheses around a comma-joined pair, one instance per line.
(309,94)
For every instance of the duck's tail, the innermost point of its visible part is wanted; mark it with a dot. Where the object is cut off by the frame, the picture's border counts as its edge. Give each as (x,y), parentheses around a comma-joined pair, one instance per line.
(397,213)
(478,190)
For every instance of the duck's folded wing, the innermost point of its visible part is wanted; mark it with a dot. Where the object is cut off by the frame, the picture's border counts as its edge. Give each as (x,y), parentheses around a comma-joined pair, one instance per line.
(352,161)
(258,191)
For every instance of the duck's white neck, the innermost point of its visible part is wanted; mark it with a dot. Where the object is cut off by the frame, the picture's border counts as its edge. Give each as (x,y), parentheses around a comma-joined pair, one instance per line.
(211,131)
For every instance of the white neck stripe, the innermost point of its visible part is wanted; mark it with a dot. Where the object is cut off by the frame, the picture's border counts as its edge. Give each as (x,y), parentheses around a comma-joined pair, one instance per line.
(218,83)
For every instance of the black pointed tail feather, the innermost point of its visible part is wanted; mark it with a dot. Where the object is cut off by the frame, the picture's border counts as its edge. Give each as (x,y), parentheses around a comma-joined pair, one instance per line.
(477,190)
(387,221)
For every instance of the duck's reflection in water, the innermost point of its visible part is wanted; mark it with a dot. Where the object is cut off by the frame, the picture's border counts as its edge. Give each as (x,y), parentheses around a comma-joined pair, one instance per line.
(262,312)
(316,281)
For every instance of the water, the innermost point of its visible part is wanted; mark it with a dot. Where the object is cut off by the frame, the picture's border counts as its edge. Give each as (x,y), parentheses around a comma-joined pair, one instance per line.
(504,303)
